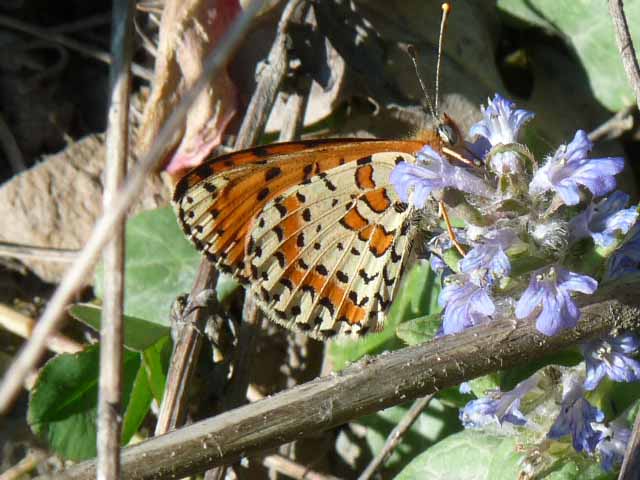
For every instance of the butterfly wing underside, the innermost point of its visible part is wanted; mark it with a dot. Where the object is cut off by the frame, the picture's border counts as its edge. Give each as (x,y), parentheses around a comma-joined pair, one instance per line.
(314,228)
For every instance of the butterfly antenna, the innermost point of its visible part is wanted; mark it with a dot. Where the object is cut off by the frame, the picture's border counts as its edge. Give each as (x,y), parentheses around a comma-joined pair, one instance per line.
(446,10)
(413,54)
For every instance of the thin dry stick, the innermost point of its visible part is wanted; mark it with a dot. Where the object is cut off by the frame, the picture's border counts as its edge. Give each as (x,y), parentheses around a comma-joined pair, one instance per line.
(185,355)
(394,438)
(614,127)
(293,469)
(10,147)
(26,465)
(71,44)
(625,46)
(365,387)
(295,109)
(87,23)
(23,252)
(22,325)
(32,351)
(111,331)
(630,469)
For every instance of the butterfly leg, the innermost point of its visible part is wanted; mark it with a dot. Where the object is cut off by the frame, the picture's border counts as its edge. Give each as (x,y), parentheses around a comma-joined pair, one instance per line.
(442,211)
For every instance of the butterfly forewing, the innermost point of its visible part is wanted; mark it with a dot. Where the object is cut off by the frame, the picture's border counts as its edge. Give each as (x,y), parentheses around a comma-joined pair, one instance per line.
(315,228)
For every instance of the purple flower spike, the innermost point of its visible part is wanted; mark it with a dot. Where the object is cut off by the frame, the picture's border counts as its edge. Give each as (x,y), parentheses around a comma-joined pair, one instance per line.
(604,219)
(613,445)
(499,126)
(490,256)
(498,406)
(465,305)
(576,417)
(569,167)
(433,172)
(609,356)
(550,288)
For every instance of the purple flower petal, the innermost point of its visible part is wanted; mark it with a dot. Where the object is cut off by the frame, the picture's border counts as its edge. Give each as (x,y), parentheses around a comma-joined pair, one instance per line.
(465,305)
(613,445)
(609,356)
(498,406)
(576,417)
(490,256)
(431,172)
(627,258)
(499,126)
(569,167)
(603,220)
(550,289)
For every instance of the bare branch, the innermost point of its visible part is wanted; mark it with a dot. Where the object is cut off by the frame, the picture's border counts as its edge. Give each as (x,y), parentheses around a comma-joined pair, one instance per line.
(365,387)
(625,46)
(32,351)
(111,329)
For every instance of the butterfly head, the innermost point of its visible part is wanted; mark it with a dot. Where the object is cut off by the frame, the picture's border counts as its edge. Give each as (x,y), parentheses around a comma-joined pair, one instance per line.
(448,131)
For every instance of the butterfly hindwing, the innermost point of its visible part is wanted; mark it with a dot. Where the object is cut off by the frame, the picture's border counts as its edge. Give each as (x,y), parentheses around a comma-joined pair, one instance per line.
(325,257)
(318,216)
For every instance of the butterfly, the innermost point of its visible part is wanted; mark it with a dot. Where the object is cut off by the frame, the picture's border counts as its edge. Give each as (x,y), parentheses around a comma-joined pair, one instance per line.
(314,228)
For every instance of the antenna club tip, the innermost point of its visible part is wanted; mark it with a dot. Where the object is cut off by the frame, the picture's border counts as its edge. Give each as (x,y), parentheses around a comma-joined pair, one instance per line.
(446,7)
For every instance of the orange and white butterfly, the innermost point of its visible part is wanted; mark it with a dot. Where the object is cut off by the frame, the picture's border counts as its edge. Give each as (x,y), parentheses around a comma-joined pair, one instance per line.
(314,228)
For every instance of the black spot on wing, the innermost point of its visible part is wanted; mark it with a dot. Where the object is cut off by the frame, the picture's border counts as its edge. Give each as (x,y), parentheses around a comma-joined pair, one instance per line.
(272,173)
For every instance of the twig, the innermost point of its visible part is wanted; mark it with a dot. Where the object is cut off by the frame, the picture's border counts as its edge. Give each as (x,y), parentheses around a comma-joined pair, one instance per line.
(620,123)
(26,465)
(74,277)
(22,325)
(394,438)
(10,147)
(23,252)
(625,46)
(270,78)
(71,44)
(111,329)
(184,357)
(293,469)
(365,387)
(295,108)
(87,23)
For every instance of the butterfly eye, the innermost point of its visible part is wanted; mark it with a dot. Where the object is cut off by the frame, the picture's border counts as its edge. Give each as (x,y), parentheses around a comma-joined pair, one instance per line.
(447,134)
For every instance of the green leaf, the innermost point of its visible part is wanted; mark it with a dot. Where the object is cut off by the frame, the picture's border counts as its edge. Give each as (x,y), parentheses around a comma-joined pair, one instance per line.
(419,330)
(63,402)
(416,297)
(587,27)
(155,362)
(467,455)
(138,406)
(436,422)
(139,334)
(160,265)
